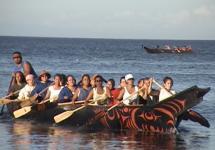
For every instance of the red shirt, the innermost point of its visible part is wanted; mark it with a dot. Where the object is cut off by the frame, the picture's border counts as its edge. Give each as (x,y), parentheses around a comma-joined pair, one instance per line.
(114,95)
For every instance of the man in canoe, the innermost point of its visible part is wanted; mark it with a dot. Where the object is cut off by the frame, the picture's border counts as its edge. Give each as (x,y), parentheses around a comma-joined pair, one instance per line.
(129,93)
(25,67)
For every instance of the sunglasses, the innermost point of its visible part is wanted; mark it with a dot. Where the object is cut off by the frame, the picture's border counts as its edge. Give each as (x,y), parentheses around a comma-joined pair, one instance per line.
(44,76)
(16,57)
(98,80)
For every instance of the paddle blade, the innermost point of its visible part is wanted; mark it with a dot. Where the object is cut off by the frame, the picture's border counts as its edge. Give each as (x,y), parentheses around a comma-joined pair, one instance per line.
(21,112)
(4,101)
(66,114)
(63,116)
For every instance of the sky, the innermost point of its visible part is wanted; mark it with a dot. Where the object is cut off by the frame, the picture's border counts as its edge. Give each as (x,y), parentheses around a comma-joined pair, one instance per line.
(123,19)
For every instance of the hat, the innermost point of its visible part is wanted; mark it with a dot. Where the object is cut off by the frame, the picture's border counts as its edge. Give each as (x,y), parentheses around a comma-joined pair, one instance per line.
(29,76)
(44,72)
(128,76)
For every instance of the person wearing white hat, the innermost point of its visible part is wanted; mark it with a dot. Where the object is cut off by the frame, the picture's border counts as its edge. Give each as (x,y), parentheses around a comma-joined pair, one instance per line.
(130,92)
(25,92)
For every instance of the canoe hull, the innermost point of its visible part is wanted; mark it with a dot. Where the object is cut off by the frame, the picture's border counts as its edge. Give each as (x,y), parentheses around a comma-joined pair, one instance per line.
(162,50)
(161,117)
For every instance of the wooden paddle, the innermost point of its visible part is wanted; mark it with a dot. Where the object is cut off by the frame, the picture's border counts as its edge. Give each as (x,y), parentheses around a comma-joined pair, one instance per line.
(60,117)
(63,116)
(25,110)
(33,98)
(4,99)
(71,103)
(160,86)
(2,109)
(124,99)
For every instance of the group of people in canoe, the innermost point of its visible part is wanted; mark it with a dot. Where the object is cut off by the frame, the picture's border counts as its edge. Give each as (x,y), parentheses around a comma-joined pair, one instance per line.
(95,89)
(181,49)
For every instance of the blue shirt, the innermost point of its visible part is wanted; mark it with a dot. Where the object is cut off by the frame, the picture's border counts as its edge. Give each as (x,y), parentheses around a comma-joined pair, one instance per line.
(18,68)
(65,95)
(39,87)
(84,93)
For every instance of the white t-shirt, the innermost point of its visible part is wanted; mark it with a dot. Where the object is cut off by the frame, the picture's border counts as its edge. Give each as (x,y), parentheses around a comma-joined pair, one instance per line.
(97,96)
(25,92)
(127,100)
(164,94)
(54,93)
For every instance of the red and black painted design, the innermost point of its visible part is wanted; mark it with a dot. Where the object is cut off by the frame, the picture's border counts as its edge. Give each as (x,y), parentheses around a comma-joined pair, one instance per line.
(161,117)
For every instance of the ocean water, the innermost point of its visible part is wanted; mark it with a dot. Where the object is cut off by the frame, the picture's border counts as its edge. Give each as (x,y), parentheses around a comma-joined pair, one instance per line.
(112,58)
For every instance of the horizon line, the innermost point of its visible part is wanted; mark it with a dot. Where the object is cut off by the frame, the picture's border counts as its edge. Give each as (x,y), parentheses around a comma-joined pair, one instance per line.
(102,38)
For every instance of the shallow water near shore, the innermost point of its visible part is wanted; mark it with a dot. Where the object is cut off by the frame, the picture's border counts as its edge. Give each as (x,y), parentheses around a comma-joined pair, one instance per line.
(112,59)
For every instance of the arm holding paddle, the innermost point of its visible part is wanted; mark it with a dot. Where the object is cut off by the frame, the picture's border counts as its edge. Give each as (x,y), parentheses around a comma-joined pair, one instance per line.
(90,96)
(5,100)
(75,96)
(166,91)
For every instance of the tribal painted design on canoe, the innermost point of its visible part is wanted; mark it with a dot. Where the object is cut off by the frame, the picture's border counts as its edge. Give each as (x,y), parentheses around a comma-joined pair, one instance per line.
(159,119)
(162,117)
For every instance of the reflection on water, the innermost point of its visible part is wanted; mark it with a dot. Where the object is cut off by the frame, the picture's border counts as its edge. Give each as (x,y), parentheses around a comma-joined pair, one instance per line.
(24,134)
(27,135)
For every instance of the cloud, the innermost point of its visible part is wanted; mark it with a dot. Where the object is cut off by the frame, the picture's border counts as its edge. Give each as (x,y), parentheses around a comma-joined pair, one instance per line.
(204,11)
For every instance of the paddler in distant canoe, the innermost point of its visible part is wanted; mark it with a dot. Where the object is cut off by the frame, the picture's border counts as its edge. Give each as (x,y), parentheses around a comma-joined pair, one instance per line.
(100,94)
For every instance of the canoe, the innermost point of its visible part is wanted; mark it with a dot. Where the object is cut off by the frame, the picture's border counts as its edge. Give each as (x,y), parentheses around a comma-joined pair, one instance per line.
(45,113)
(163,50)
(162,117)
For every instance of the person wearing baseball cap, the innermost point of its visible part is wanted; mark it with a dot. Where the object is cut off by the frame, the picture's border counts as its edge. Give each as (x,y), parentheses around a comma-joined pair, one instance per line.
(130,92)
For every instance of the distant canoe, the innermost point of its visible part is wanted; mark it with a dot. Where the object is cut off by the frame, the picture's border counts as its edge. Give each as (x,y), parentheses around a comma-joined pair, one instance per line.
(171,50)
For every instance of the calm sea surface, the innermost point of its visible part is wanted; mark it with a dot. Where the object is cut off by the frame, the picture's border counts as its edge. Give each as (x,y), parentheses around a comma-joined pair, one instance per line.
(112,59)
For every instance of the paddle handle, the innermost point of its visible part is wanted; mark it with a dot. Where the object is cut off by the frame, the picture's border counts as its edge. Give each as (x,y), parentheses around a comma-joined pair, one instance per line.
(160,86)
(45,89)
(124,99)
(11,94)
(70,103)
(79,108)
